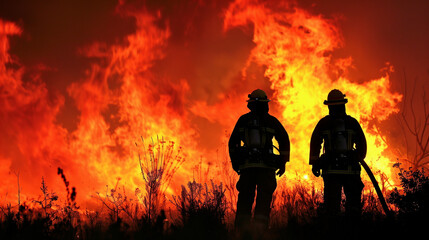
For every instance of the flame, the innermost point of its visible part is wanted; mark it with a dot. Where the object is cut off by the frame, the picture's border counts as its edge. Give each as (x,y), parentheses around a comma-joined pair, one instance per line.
(124,97)
(138,105)
(30,140)
(119,102)
(296,48)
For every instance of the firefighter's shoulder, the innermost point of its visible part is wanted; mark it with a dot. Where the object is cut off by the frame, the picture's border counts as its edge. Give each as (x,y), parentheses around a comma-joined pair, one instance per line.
(323,124)
(272,119)
(352,119)
(325,120)
(245,116)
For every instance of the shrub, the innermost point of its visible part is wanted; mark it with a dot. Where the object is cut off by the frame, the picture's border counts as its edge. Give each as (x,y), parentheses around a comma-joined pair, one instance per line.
(202,210)
(411,202)
(413,199)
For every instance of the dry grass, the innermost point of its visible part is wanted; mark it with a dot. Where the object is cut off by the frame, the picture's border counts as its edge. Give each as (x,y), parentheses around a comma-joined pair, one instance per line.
(158,162)
(204,209)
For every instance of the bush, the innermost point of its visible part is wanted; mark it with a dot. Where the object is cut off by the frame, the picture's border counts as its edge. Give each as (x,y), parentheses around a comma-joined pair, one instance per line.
(412,202)
(297,204)
(202,211)
(413,199)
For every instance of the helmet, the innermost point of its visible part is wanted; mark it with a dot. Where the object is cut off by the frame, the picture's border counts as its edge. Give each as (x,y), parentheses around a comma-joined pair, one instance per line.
(258,95)
(335,97)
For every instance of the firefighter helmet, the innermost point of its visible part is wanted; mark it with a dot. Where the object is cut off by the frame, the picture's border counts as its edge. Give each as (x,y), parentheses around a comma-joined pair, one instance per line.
(258,95)
(335,97)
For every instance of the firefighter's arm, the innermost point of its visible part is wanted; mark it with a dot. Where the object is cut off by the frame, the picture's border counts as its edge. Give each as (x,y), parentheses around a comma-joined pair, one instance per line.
(284,146)
(233,146)
(315,147)
(360,141)
(315,144)
(283,139)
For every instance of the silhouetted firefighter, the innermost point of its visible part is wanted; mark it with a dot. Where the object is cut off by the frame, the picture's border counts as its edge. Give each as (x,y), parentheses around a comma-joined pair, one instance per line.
(344,146)
(252,157)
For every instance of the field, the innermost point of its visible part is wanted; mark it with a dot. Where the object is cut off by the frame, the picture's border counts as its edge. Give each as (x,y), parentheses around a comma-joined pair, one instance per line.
(203,211)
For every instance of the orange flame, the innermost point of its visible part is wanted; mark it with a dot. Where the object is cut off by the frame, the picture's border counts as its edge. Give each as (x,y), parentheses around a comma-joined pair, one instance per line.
(122,98)
(296,49)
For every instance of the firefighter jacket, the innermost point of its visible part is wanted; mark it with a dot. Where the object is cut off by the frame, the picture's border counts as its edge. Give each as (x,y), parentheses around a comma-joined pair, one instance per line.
(344,144)
(251,142)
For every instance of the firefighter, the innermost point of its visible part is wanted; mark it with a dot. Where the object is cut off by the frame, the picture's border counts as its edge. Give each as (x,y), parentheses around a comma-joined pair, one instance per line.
(252,157)
(344,145)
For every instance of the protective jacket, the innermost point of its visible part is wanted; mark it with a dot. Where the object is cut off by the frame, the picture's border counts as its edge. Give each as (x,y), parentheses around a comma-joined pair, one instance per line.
(344,144)
(251,142)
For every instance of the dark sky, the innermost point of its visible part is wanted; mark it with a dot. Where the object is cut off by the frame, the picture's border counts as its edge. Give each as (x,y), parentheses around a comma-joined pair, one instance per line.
(376,32)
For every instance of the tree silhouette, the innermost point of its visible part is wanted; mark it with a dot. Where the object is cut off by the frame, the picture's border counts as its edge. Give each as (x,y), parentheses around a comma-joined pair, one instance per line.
(414,122)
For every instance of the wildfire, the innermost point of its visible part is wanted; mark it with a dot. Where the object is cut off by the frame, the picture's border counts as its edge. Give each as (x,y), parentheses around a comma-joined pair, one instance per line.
(123,98)
(296,49)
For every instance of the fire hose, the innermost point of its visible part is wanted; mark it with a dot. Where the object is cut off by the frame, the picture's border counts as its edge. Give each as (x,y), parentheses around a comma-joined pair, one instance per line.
(377,188)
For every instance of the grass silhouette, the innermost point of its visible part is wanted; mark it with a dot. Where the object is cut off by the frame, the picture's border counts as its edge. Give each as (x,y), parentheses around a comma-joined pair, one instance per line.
(201,211)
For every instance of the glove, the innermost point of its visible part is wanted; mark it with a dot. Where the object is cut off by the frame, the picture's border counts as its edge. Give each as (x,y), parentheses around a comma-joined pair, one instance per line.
(281,171)
(316,171)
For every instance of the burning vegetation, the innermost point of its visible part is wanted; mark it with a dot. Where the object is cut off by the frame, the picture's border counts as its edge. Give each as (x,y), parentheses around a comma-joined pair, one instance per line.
(147,154)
